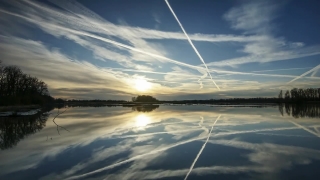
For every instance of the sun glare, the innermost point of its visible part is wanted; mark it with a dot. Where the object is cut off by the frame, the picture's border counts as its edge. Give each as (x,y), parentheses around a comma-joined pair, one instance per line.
(142,85)
(142,120)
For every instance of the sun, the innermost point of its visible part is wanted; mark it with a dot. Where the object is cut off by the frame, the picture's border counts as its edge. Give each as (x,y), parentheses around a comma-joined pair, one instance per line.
(142,85)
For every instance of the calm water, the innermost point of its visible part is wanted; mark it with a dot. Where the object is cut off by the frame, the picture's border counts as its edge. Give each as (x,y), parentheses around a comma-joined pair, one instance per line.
(169,142)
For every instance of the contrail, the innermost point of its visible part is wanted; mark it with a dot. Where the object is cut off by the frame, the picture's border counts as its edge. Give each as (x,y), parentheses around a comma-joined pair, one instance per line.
(311,70)
(202,148)
(304,128)
(138,50)
(288,69)
(258,74)
(195,49)
(134,158)
(151,72)
(104,40)
(314,73)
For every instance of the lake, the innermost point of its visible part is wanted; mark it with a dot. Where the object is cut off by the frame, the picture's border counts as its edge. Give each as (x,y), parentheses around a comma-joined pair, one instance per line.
(163,142)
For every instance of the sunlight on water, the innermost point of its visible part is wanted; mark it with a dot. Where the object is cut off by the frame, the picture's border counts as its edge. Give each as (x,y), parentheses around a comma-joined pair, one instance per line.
(142,120)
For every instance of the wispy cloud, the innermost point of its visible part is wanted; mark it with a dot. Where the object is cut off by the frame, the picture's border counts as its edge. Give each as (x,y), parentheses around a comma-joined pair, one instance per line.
(256,18)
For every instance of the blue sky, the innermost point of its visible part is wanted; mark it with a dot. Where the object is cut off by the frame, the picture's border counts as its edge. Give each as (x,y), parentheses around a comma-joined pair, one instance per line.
(119,49)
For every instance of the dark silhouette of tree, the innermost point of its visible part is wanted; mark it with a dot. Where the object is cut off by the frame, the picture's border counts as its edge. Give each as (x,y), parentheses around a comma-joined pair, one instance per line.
(280,95)
(287,95)
(144,98)
(19,88)
(301,95)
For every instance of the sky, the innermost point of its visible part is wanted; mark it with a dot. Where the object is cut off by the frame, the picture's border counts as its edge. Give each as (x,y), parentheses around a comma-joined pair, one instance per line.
(171,49)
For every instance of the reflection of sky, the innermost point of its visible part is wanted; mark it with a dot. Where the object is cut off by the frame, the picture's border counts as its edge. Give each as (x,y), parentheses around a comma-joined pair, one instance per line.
(117,143)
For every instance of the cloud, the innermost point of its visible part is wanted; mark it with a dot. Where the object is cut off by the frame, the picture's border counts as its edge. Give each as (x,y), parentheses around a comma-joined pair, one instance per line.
(256,18)
(253,17)
(121,51)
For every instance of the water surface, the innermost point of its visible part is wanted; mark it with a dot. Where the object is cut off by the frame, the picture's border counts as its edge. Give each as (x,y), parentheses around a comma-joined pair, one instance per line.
(166,142)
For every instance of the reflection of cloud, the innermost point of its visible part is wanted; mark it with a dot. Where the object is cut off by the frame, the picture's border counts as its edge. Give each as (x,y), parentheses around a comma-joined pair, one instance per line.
(98,132)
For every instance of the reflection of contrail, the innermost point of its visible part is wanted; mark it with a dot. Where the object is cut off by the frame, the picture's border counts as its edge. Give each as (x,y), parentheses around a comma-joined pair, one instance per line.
(316,129)
(304,128)
(194,48)
(218,134)
(254,131)
(164,132)
(166,148)
(201,121)
(311,70)
(202,148)
(134,158)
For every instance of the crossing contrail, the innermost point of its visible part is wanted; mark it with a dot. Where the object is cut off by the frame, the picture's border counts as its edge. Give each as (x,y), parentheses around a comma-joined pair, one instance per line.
(200,69)
(311,70)
(194,48)
(202,148)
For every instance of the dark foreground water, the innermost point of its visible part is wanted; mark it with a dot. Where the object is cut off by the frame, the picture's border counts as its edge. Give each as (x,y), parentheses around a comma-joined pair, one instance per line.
(169,142)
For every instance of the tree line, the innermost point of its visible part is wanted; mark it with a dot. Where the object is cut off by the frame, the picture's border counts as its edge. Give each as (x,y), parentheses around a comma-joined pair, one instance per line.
(300,95)
(17,88)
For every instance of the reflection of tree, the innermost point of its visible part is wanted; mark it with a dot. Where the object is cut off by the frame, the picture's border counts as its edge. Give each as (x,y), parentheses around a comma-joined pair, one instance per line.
(142,108)
(14,129)
(281,108)
(58,126)
(301,110)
